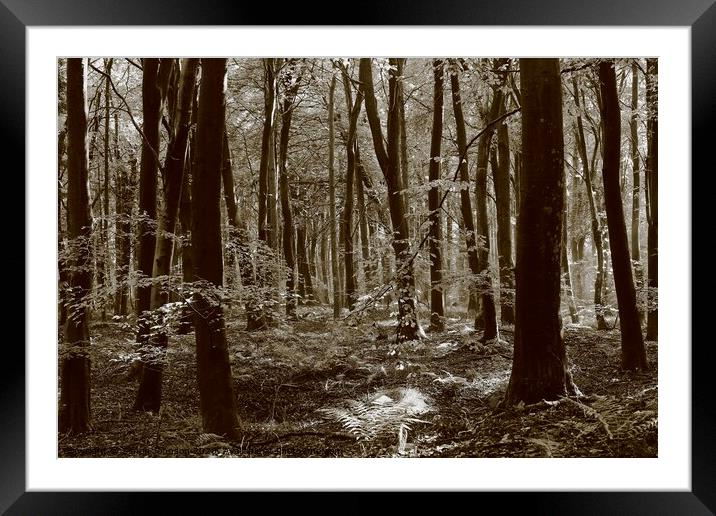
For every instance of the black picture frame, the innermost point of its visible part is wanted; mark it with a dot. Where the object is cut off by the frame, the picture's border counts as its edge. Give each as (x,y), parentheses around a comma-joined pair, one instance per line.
(16,15)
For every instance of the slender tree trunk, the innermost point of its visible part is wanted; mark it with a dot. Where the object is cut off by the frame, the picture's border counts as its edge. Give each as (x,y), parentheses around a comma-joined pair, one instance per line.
(485,287)
(216,397)
(149,395)
(332,200)
(104,250)
(74,407)
(288,230)
(636,185)
(633,351)
(324,258)
(503,203)
(652,182)
(266,203)
(389,161)
(363,221)
(437,309)
(568,292)
(596,222)
(353,109)
(304,273)
(468,221)
(186,321)
(539,367)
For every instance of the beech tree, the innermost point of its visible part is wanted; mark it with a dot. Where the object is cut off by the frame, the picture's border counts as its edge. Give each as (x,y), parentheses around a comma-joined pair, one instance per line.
(539,365)
(216,396)
(389,161)
(633,352)
(74,407)
(652,184)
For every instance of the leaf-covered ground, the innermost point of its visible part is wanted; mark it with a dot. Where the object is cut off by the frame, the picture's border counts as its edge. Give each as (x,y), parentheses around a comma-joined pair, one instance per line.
(319,388)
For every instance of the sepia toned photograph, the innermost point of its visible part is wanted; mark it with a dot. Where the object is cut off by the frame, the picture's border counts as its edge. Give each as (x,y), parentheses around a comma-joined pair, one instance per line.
(360,257)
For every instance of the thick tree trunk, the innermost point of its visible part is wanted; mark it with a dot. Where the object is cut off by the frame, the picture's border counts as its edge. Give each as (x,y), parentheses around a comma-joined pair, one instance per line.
(636,184)
(633,351)
(149,394)
(389,161)
(468,221)
(437,301)
(74,407)
(216,397)
(596,222)
(503,204)
(652,182)
(539,367)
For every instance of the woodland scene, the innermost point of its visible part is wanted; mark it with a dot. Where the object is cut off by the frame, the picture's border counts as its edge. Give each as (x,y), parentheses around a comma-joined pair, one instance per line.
(357,257)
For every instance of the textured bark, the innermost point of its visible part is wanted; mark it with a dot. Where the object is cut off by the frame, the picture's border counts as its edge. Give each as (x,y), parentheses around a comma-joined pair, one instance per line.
(596,222)
(437,309)
(216,397)
(539,367)
(389,161)
(633,351)
(74,407)
(149,394)
(652,182)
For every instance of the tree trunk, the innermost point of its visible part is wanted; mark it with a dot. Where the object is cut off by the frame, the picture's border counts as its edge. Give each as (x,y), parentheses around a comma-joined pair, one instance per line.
(288,229)
(652,182)
(363,222)
(149,394)
(104,250)
(389,161)
(633,351)
(503,203)
(353,109)
(539,366)
(148,166)
(332,200)
(437,309)
(568,291)
(304,274)
(636,184)
(468,221)
(74,407)
(489,314)
(596,222)
(216,397)
(186,319)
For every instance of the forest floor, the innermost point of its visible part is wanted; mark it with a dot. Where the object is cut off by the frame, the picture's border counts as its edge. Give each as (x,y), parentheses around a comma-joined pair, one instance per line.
(324,388)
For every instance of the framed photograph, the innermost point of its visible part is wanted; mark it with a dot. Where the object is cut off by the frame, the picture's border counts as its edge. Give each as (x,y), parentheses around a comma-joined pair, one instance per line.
(636,438)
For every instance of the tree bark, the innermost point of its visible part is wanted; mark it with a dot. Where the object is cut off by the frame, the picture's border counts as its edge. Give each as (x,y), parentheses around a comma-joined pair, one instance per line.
(652,182)
(633,351)
(74,407)
(539,367)
(389,161)
(216,397)
(149,394)
(437,309)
